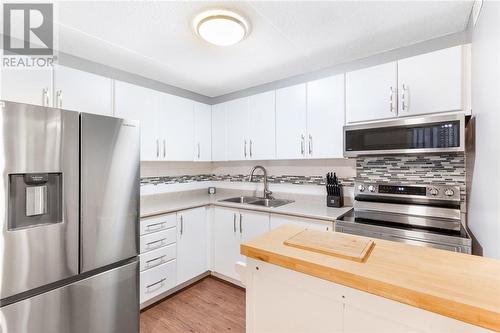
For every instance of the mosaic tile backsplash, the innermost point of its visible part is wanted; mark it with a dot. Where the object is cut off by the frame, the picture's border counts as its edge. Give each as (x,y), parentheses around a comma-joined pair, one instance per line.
(445,169)
(285,179)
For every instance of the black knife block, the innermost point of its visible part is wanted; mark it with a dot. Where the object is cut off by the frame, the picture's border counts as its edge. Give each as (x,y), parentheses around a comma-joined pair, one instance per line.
(335,201)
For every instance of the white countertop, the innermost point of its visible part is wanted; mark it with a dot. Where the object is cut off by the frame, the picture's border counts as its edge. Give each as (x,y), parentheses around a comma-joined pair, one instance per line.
(302,207)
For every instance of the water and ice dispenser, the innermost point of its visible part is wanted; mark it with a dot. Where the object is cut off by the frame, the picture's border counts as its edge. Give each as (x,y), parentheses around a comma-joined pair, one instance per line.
(34,199)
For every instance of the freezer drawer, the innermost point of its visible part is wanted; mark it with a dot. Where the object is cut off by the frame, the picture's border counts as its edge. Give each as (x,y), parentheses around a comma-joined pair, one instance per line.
(104,303)
(157,280)
(109,191)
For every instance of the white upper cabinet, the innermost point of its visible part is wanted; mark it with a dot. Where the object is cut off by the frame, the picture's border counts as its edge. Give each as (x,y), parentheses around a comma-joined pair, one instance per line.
(371,93)
(291,116)
(219,132)
(202,132)
(428,83)
(262,133)
(178,129)
(237,118)
(134,102)
(81,91)
(30,86)
(431,82)
(325,117)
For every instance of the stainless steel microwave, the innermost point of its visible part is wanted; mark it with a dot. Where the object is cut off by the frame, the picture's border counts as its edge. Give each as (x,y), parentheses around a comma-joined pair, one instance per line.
(418,135)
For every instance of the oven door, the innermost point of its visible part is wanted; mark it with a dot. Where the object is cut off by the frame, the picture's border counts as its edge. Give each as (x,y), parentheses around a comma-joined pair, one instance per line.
(430,134)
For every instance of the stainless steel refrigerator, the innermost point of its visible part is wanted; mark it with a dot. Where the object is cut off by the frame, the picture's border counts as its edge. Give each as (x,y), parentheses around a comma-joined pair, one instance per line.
(69,211)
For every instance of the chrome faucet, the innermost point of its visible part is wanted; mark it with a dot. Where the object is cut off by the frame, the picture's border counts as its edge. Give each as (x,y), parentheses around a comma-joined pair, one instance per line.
(267,193)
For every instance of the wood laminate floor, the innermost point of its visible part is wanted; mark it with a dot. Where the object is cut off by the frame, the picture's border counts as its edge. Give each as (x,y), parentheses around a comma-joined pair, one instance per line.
(210,305)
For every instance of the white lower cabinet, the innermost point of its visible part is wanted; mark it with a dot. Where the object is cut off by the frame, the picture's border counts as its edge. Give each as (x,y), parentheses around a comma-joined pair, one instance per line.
(156,240)
(158,252)
(157,257)
(173,250)
(157,280)
(278,220)
(231,228)
(192,243)
(283,300)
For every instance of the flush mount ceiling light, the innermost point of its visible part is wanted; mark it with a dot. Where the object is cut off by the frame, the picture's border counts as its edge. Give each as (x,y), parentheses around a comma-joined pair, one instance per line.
(221,27)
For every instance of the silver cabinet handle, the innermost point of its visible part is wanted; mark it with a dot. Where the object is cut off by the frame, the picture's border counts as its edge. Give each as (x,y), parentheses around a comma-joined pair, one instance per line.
(404,98)
(251,148)
(234,222)
(245,148)
(182,224)
(302,144)
(45,97)
(160,242)
(198,150)
(155,226)
(241,224)
(160,258)
(156,283)
(157,148)
(391,100)
(59,98)
(164,148)
(310,144)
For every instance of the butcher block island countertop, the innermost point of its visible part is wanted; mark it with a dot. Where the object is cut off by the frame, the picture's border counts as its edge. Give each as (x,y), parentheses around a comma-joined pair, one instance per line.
(459,286)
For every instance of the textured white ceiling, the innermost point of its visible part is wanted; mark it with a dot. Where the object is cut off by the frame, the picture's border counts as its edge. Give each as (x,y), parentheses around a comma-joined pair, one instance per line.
(287,38)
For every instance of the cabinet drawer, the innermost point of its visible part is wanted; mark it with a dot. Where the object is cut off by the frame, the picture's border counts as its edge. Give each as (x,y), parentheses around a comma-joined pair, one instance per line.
(158,239)
(153,224)
(157,280)
(157,257)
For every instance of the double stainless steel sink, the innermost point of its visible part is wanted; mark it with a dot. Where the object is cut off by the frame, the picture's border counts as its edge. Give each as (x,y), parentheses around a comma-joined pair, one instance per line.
(271,203)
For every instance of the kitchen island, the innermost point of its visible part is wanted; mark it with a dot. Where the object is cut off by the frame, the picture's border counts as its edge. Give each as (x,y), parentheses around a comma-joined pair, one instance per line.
(398,288)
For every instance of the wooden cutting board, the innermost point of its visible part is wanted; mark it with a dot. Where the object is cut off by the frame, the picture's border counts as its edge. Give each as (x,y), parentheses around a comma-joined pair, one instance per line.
(332,243)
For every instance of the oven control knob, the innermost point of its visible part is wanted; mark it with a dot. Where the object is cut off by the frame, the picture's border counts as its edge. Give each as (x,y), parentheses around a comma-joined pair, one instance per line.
(361,188)
(434,191)
(371,188)
(449,192)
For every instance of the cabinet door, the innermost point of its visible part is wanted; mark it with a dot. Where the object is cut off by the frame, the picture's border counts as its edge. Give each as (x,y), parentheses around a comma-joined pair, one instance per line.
(226,241)
(277,220)
(202,132)
(192,243)
(262,133)
(291,117)
(82,91)
(358,321)
(237,129)
(134,102)
(219,132)
(431,82)
(178,130)
(30,86)
(369,95)
(325,117)
(251,225)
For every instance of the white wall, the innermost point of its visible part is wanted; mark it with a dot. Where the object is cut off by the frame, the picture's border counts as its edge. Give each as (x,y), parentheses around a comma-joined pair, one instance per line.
(484,195)
(345,168)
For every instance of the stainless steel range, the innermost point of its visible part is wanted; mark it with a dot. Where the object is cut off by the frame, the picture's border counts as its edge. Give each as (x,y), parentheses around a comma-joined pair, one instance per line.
(415,214)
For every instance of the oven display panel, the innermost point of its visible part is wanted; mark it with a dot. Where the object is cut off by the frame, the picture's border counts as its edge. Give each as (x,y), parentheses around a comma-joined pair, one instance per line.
(406,190)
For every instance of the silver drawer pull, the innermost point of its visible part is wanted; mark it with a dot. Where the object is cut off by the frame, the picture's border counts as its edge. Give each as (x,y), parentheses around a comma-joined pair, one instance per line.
(156,283)
(155,226)
(160,242)
(160,258)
